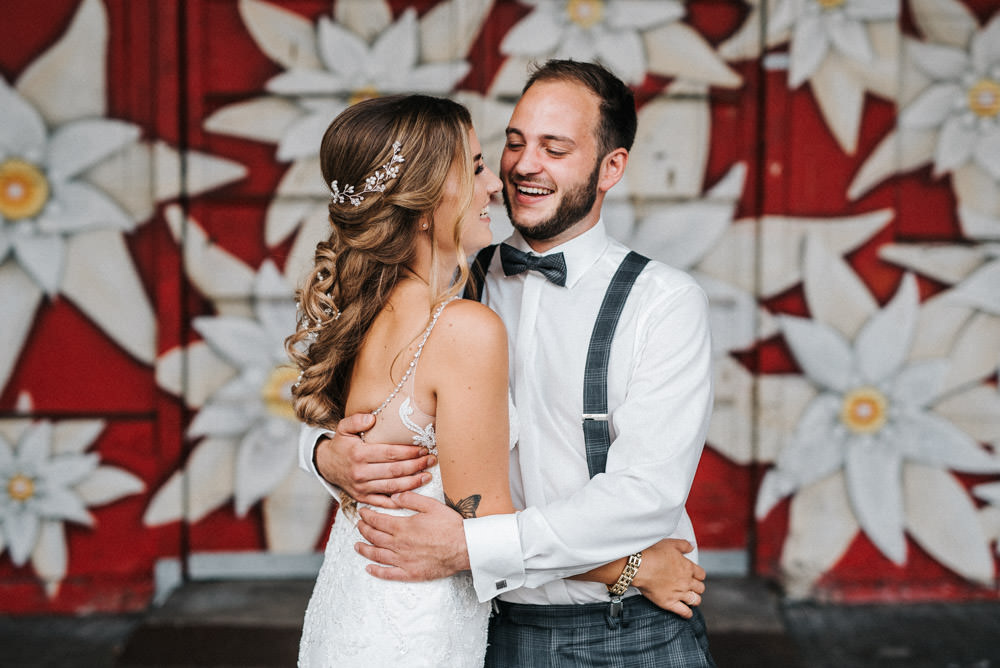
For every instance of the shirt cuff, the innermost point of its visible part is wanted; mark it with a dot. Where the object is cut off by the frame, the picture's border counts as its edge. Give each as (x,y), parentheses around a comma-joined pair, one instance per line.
(495,557)
(308,437)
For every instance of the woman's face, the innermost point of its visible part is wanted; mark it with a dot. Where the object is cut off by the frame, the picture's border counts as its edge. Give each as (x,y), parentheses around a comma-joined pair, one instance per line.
(474,226)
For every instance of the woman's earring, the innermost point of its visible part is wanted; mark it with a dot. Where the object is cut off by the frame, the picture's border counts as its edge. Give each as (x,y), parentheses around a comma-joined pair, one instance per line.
(424,226)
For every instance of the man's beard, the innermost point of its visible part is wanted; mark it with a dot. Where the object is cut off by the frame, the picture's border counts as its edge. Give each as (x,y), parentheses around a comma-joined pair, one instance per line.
(574,205)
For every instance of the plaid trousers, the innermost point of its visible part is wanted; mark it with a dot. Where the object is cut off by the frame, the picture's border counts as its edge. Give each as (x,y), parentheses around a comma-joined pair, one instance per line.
(583,636)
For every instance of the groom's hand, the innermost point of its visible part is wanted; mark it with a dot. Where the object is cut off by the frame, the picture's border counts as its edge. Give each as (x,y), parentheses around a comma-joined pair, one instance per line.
(370,472)
(669,579)
(425,546)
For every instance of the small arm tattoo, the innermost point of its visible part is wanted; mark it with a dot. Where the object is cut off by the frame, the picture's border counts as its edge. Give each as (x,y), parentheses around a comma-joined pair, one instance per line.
(465,507)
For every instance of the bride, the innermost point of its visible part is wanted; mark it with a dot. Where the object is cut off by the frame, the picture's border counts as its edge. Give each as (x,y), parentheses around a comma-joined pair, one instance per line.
(381,331)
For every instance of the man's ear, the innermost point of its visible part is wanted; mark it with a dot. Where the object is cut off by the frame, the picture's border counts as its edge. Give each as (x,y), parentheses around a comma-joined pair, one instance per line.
(612,169)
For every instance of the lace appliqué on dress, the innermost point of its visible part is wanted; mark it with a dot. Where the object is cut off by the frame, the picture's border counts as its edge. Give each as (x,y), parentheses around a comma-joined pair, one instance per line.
(421,435)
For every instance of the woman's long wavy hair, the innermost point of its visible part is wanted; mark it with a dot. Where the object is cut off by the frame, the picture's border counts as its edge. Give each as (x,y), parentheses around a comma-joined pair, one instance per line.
(370,244)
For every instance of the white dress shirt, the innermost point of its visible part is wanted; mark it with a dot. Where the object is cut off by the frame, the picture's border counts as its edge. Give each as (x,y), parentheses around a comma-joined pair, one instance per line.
(659,403)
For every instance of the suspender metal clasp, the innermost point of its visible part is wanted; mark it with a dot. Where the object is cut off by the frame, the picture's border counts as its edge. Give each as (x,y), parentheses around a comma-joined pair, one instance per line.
(603,417)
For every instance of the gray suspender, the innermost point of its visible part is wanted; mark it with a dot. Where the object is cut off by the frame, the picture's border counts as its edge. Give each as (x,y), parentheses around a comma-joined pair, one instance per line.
(595,375)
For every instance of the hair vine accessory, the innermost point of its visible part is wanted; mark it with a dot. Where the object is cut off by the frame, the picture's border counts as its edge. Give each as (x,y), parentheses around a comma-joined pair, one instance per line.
(373,184)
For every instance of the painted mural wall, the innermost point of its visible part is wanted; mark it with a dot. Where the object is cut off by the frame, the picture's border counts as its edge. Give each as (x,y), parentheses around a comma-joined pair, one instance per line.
(828,170)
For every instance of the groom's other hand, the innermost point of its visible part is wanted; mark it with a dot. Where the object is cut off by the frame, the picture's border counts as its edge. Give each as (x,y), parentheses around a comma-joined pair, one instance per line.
(669,579)
(425,546)
(370,472)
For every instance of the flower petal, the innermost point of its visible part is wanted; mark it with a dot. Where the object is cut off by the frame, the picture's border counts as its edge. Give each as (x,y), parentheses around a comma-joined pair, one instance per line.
(642,13)
(946,263)
(814,452)
(810,45)
(21,530)
(874,485)
(79,207)
(221,418)
(266,456)
(302,138)
(241,341)
(835,293)
(537,34)
(974,411)
(931,107)
(208,484)
(840,94)
(81,144)
(942,519)
(985,49)
(110,291)
(295,513)
(987,154)
(938,61)
(449,29)
(69,80)
(107,484)
(69,469)
(216,272)
(397,49)
(900,151)
(955,145)
(286,37)
(850,39)
(35,446)
(23,131)
(50,557)
(822,353)
(623,53)
(813,548)
(919,383)
(929,439)
(677,50)
(61,504)
(42,257)
(262,118)
(19,300)
(975,352)
(883,343)
(433,78)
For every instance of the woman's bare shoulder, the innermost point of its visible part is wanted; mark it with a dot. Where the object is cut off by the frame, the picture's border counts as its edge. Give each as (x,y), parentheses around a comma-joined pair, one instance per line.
(466,326)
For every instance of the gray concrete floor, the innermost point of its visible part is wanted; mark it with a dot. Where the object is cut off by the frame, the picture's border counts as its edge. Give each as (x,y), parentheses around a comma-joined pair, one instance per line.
(256,623)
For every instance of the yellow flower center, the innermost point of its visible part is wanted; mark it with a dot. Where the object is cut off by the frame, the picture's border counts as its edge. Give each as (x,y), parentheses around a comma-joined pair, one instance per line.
(24,190)
(277,392)
(830,4)
(865,410)
(366,93)
(585,13)
(984,98)
(21,487)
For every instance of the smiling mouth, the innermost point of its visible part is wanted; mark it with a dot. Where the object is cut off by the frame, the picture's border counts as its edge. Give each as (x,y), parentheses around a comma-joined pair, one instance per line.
(533,190)
(485,213)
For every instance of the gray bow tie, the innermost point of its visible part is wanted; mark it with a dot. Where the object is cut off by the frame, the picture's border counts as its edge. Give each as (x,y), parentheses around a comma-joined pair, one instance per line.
(553,266)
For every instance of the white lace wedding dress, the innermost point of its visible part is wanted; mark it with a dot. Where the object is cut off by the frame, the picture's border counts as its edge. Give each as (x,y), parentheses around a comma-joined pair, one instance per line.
(355,619)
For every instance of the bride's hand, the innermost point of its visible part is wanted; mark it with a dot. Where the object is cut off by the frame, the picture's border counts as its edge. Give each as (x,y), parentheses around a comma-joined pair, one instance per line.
(370,472)
(669,579)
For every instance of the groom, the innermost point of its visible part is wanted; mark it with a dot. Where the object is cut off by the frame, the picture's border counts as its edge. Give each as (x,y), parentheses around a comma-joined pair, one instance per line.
(618,484)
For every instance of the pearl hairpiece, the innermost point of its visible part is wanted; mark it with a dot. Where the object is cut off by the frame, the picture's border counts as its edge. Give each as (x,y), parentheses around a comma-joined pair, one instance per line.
(373,184)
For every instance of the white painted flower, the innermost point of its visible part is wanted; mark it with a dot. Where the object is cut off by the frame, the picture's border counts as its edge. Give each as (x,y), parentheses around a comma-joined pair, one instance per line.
(962,102)
(326,67)
(821,26)
(843,48)
(949,101)
(607,31)
(64,204)
(872,417)
(47,479)
(629,37)
(239,379)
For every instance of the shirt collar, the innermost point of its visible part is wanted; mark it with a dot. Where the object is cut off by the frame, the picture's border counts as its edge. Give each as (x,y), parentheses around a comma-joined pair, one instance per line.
(580,252)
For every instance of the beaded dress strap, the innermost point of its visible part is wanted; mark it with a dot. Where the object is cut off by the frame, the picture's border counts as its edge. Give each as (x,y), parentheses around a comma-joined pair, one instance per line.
(416,357)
